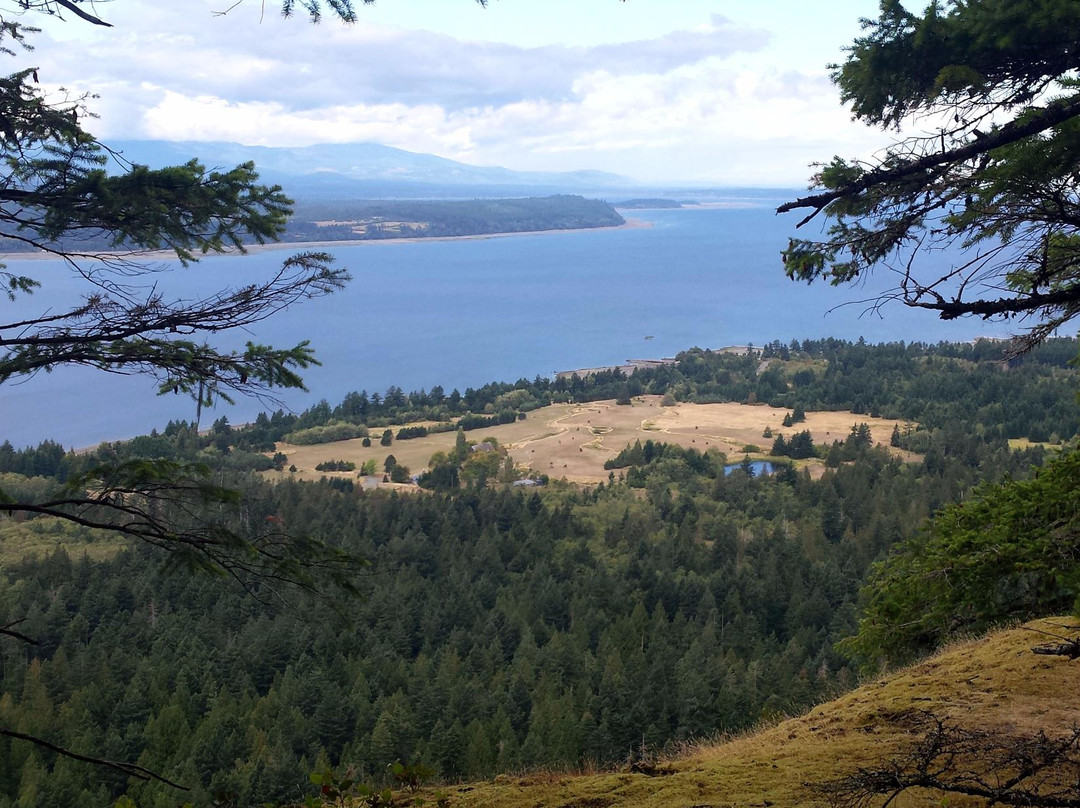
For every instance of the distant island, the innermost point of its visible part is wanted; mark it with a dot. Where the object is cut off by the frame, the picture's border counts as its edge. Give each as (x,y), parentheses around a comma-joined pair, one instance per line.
(651,204)
(370,220)
(433,218)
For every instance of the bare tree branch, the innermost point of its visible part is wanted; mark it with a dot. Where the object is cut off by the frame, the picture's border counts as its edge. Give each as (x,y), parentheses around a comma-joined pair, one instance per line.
(78,12)
(8,631)
(992,766)
(129,769)
(1035,122)
(204,526)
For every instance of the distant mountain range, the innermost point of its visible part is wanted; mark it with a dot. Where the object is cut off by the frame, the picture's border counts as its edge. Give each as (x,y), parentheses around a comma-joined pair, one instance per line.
(370,170)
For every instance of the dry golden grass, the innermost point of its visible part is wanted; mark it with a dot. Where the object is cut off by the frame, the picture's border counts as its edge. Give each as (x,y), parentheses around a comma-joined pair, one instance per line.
(39,537)
(1024,443)
(579,441)
(989,683)
(414,453)
(574,441)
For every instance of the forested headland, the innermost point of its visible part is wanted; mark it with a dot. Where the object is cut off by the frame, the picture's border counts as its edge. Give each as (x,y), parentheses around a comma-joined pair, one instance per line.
(350,220)
(372,220)
(502,628)
(650,204)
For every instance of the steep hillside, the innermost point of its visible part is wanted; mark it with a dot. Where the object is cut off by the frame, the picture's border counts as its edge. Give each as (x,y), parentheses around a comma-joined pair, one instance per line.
(993,684)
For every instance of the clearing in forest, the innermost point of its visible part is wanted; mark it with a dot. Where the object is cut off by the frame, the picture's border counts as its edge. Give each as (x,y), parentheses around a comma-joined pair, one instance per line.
(574,440)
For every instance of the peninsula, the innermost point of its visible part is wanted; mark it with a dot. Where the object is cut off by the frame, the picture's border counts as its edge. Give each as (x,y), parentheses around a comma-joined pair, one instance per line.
(437,218)
(335,221)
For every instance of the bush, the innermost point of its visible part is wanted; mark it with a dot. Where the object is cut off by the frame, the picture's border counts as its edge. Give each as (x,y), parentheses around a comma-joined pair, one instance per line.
(332,431)
(1009,551)
(336,465)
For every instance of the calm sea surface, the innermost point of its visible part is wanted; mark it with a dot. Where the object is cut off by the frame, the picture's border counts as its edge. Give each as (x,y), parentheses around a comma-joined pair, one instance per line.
(463,313)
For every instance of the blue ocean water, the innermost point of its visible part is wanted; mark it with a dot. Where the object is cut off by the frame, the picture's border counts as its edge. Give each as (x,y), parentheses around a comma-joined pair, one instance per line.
(463,313)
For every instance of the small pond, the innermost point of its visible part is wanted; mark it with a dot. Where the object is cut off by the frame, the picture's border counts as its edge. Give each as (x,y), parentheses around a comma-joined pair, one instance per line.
(759,466)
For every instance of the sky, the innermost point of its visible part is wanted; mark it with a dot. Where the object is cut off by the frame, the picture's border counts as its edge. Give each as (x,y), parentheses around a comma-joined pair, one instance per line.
(705,92)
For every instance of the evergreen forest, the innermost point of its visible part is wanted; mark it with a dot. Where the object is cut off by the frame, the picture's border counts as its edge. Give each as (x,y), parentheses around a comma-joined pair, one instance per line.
(350,220)
(185,620)
(499,628)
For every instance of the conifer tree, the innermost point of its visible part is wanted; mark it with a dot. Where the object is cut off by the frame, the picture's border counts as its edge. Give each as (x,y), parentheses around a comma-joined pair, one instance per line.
(994,178)
(64,193)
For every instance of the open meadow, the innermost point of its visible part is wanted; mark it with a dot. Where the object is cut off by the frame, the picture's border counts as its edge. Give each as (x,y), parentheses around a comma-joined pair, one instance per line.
(575,440)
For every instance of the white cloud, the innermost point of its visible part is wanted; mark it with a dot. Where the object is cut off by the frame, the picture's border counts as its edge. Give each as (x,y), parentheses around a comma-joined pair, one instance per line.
(305,66)
(710,101)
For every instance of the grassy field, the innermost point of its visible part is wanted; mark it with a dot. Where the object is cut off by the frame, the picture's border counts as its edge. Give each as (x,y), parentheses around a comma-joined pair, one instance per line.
(574,441)
(993,683)
(1024,443)
(39,537)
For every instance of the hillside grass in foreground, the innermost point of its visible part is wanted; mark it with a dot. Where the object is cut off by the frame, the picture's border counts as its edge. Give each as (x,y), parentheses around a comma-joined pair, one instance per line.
(990,683)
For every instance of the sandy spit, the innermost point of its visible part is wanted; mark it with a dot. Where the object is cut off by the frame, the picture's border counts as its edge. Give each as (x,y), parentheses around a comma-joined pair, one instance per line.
(306,246)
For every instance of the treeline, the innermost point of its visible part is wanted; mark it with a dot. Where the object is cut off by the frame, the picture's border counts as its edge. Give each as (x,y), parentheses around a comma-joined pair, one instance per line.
(501,629)
(713,463)
(937,386)
(352,220)
(382,219)
(221,447)
(973,389)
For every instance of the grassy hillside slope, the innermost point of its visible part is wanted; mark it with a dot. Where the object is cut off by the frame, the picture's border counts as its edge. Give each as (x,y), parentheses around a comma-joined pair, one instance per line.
(993,683)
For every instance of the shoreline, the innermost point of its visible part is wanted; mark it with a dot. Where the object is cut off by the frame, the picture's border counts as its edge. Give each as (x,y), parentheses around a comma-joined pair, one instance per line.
(252,249)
